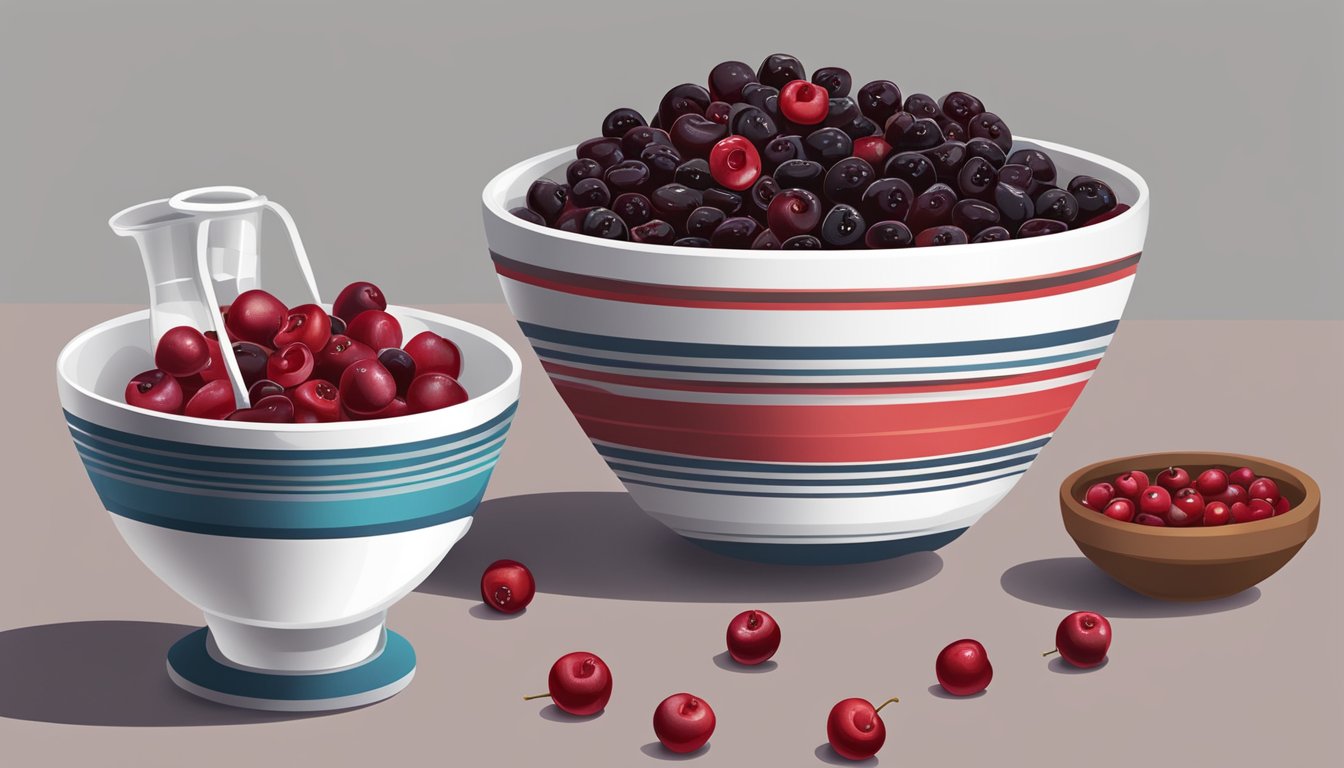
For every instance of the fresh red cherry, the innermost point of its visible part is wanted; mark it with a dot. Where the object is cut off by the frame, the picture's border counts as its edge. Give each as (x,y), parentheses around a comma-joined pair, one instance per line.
(855,729)
(375,328)
(272,409)
(683,723)
(182,351)
(214,400)
(804,103)
(255,316)
(1243,476)
(1147,519)
(366,386)
(507,586)
(873,149)
(1241,512)
(1131,484)
(215,369)
(1099,495)
(1282,505)
(317,398)
(434,354)
(1187,508)
(1082,639)
(753,637)
(397,407)
(1120,509)
(735,163)
(432,391)
(963,668)
(1216,513)
(263,388)
(291,366)
(339,354)
(579,683)
(1173,479)
(156,391)
(1232,494)
(357,297)
(1264,488)
(1257,509)
(1211,482)
(1154,500)
(307,324)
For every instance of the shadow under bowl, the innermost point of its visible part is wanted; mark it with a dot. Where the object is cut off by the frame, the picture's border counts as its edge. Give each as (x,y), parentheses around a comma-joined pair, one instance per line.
(1190,564)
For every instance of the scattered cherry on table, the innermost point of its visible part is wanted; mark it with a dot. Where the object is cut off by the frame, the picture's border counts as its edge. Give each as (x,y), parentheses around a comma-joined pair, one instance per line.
(683,723)
(579,683)
(753,637)
(855,729)
(1082,639)
(507,586)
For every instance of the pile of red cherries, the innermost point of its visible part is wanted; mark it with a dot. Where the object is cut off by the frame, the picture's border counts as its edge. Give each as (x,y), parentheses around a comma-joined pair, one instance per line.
(303,365)
(1216,497)
(767,159)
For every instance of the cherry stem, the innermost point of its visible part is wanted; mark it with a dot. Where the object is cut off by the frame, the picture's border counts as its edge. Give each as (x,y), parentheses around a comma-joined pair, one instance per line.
(1047,653)
(892,700)
(537,696)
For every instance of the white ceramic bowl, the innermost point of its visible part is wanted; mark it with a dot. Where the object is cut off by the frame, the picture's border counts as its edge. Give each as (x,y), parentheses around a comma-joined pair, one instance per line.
(818,406)
(294,539)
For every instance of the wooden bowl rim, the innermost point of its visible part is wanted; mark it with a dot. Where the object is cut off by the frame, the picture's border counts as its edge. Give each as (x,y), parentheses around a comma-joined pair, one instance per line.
(1307,508)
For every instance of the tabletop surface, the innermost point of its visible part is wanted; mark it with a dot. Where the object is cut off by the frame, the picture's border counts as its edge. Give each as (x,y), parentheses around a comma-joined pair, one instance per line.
(1253,679)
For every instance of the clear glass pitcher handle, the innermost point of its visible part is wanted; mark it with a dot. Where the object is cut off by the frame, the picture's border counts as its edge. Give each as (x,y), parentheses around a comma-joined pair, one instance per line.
(300,254)
(235,373)
(217,318)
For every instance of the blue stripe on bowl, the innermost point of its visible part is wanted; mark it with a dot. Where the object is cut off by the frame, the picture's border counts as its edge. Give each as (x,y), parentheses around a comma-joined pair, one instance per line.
(191,660)
(214,490)
(828,554)
(743,352)
(138,465)
(626,470)
(219,515)
(675,460)
(608,362)
(229,466)
(824,495)
(271,490)
(272,455)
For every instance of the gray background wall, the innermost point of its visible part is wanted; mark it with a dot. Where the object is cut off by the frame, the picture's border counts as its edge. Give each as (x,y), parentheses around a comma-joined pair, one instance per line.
(377,123)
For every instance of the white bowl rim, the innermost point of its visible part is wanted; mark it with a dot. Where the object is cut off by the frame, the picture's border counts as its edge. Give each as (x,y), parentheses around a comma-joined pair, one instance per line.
(490,337)
(493,197)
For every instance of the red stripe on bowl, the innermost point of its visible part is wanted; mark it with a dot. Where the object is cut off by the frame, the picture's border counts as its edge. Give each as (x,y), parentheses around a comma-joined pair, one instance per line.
(832,299)
(827,433)
(810,388)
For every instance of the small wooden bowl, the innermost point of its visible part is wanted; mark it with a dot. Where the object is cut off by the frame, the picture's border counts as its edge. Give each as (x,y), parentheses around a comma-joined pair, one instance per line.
(1190,563)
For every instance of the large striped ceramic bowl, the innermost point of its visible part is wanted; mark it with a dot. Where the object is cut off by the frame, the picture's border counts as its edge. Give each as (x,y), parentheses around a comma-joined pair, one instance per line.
(818,406)
(293,539)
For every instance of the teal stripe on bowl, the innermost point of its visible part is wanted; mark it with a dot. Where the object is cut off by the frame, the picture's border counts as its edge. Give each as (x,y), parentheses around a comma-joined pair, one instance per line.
(795,495)
(266,518)
(607,362)
(272,455)
(726,465)
(281,490)
(814,482)
(167,468)
(262,468)
(991,346)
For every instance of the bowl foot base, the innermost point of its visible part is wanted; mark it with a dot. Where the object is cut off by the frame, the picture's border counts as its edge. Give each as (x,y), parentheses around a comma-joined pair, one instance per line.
(194,668)
(828,554)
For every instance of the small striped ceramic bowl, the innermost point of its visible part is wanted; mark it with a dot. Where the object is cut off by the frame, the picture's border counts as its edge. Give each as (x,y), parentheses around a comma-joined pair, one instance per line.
(819,406)
(294,539)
